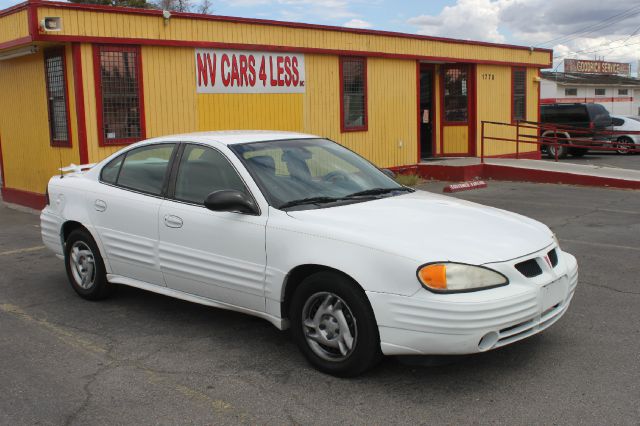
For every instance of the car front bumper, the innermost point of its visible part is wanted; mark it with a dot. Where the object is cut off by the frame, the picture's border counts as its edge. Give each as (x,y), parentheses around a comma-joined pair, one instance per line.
(465,323)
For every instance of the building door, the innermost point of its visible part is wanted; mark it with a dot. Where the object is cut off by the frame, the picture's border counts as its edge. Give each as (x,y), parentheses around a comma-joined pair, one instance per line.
(425,112)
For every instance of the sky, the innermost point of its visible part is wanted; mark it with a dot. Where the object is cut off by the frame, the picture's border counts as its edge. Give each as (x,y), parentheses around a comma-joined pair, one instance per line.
(583,29)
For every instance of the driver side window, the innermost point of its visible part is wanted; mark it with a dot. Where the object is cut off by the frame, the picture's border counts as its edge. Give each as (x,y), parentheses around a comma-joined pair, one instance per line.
(203,170)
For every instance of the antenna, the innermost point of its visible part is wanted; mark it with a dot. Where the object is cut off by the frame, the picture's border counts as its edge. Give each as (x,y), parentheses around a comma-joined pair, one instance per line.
(60,161)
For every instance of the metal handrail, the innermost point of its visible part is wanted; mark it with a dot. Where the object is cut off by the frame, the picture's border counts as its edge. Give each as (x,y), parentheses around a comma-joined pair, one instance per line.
(604,144)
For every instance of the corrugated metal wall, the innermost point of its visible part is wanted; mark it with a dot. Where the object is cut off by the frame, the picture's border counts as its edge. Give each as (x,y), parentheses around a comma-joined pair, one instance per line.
(29,159)
(99,24)
(14,26)
(494,104)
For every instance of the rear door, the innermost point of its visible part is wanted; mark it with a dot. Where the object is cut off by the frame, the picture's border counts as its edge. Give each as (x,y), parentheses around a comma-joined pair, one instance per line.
(217,255)
(124,210)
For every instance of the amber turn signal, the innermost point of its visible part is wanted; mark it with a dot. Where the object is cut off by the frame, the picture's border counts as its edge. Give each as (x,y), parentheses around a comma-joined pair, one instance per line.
(434,276)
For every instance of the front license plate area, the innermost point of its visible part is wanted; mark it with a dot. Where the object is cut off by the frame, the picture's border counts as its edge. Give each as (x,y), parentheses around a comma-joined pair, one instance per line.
(553,293)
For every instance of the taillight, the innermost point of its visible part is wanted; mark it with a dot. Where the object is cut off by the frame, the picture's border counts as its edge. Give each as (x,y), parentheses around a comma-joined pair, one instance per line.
(592,125)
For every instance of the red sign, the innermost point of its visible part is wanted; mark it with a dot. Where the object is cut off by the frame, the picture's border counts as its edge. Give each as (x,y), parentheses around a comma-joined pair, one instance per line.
(596,67)
(236,71)
(465,186)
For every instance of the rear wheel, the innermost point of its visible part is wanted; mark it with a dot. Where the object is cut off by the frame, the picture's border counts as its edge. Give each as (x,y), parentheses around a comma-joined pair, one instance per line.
(85,268)
(334,326)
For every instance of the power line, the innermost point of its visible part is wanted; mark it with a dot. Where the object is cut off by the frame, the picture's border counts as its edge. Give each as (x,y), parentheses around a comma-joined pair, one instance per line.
(588,50)
(597,26)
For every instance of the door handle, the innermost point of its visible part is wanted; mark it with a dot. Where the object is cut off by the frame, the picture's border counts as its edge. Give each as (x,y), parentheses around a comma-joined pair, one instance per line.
(172,221)
(100,205)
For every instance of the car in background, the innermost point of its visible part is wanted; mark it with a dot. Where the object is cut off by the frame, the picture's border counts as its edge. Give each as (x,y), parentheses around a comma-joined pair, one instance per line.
(625,142)
(577,123)
(306,234)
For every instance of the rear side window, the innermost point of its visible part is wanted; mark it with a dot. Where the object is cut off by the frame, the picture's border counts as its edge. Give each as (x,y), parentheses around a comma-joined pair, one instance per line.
(202,171)
(110,171)
(144,169)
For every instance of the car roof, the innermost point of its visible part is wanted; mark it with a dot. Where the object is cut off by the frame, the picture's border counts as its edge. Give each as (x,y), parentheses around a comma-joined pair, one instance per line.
(232,137)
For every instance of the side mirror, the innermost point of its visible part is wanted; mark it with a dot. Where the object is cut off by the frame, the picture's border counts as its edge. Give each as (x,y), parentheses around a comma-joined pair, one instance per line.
(389,173)
(230,200)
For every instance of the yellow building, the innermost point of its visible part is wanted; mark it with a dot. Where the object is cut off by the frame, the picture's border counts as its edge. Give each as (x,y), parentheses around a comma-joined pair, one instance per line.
(77,82)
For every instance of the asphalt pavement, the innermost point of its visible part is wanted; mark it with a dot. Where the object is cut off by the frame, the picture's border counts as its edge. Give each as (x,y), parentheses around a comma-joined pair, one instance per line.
(141,358)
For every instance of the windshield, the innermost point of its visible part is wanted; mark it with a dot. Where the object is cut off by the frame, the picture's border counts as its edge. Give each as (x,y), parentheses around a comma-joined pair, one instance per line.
(312,173)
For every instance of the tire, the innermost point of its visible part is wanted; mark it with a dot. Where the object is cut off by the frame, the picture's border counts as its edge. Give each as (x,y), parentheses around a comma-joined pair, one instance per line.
(324,305)
(578,152)
(563,149)
(85,267)
(626,144)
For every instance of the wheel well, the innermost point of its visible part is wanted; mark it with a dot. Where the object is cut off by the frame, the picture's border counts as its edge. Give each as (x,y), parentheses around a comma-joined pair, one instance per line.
(297,275)
(68,227)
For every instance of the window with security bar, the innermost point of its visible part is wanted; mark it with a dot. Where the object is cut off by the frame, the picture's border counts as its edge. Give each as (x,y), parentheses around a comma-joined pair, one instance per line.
(54,65)
(456,94)
(519,94)
(119,94)
(353,81)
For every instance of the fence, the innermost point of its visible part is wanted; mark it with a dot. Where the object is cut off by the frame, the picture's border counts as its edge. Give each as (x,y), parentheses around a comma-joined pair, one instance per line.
(558,137)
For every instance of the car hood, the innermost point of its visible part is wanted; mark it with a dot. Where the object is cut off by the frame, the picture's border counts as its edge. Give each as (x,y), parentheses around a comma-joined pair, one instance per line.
(430,227)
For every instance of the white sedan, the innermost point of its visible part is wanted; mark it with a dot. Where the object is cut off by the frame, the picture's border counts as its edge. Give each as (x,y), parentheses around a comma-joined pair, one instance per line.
(629,140)
(304,233)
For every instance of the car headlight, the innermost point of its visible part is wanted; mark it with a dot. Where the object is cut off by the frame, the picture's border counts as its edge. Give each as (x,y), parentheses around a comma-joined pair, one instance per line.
(451,277)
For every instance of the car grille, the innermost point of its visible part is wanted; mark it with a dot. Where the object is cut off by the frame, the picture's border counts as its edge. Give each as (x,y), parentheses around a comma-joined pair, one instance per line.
(530,268)
(553,257)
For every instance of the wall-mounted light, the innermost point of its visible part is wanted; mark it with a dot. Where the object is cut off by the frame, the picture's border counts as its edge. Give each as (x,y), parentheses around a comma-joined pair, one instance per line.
(51,24)
(166,15)
(16,53)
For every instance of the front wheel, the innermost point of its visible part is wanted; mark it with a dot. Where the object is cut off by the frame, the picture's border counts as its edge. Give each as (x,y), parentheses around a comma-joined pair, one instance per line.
(334,326)
(625,145)
(85,268)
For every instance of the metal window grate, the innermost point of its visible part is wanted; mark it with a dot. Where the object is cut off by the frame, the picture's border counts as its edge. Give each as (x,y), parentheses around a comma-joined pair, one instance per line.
(354,93)
(119,75)
(519,95)
(56,96)
(456,106)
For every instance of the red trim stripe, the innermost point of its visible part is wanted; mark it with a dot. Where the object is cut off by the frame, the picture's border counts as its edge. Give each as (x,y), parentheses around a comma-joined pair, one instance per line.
(83,149)
(24,198)
(4,176)
(587,100)
(16,43)
(219,18)
(14,9)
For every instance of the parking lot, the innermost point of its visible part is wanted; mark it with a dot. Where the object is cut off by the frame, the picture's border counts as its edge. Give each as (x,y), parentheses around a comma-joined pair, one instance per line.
(141,358)
(605,159)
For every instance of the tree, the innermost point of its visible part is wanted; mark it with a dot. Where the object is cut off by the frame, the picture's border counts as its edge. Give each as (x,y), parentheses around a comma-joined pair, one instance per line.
(204,7)
(143,4)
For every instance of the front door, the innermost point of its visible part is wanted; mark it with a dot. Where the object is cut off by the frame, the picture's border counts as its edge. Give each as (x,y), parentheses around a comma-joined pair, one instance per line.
(217,255)
(425,114)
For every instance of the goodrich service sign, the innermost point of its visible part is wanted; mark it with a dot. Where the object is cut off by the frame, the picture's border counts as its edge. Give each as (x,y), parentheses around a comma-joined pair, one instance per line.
(237,71)
(596,67)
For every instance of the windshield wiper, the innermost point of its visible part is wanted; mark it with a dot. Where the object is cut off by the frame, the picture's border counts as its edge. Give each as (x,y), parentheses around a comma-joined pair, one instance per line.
(379,191)
(310,200)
